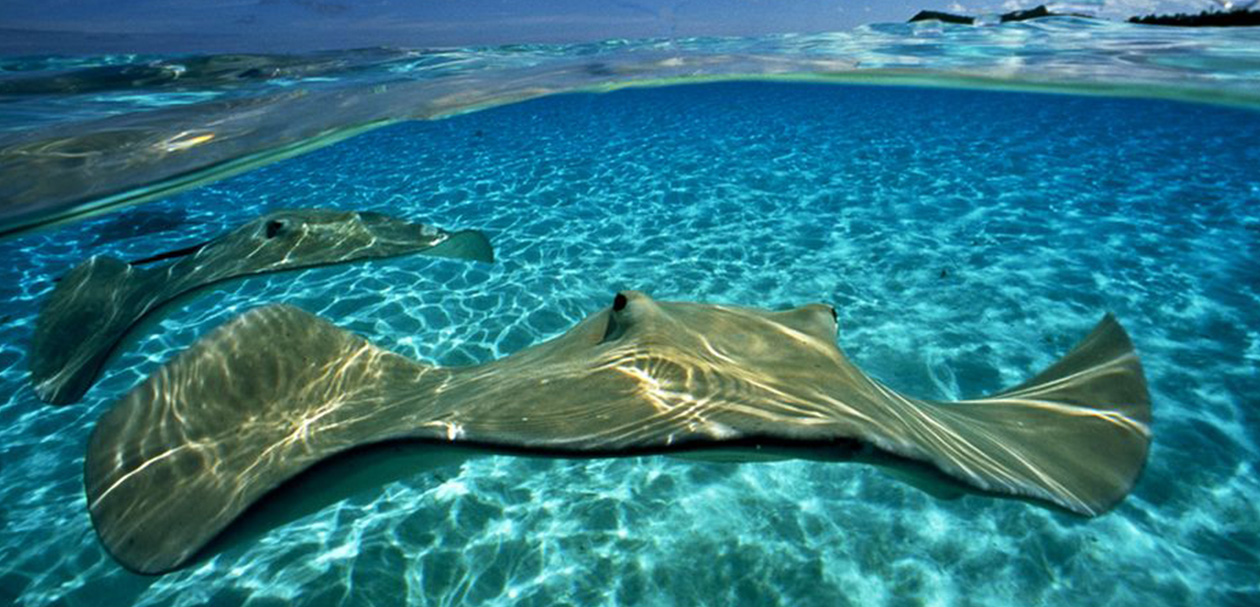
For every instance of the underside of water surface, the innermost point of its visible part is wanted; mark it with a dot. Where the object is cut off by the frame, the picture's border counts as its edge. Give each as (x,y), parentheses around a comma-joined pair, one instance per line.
(966,238)
(86,135)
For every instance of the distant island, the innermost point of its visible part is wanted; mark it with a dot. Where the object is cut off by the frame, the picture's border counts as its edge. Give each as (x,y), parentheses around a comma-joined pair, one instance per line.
(943,17)
(1234,18)
(1203,19)
(1024,15)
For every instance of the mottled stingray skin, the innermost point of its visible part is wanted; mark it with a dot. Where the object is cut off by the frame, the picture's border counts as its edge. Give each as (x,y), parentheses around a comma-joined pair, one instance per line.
(276,390)
(98,302)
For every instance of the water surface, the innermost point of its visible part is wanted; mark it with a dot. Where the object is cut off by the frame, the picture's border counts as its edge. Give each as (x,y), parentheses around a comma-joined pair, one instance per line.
(118,130)
(966,237)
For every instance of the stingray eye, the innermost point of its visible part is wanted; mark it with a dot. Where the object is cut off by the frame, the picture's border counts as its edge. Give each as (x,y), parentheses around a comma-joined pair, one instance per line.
(274,227)
(616,322)
(834,316)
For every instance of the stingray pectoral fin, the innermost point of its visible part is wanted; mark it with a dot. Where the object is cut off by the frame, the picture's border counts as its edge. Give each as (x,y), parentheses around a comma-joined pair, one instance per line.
(87,312)
(1075,435)
(466,244)
(254,403)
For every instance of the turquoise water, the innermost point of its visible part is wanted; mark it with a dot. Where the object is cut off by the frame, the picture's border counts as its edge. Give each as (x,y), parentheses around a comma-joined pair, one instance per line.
(966,237)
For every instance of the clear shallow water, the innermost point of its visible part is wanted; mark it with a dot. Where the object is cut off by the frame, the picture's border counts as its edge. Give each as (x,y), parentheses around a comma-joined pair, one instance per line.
(967,238)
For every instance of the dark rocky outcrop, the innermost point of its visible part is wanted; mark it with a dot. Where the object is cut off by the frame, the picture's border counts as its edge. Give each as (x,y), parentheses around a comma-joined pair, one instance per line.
(1032,13)
(943,17)
(1024,15)
(1203,19)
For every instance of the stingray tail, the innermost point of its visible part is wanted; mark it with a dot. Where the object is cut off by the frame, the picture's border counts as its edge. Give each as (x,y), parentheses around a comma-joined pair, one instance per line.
(1076,435)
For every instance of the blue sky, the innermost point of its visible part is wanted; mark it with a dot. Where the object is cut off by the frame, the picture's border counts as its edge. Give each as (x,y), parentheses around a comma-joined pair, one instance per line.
(274,25)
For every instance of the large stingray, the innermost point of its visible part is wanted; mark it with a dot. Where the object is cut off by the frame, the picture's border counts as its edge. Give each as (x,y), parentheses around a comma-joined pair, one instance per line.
(276,390)
(98,302)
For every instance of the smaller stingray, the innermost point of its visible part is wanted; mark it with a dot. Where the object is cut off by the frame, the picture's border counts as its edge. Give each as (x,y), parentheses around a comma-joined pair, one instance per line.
(101,300)
(277,390)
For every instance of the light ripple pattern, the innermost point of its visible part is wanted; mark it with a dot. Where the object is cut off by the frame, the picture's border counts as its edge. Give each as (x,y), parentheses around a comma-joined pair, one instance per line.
(967,239)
